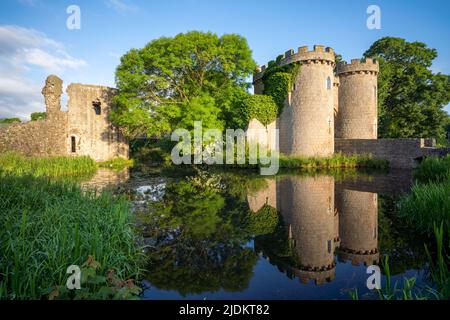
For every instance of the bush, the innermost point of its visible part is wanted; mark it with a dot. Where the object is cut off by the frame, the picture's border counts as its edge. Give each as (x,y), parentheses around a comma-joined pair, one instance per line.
(260,107)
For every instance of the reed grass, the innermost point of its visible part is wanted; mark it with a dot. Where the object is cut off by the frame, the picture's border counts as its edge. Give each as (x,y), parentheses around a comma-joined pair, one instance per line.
(16,164)
(336,161)
(48,226)
(433,169)
(116,163)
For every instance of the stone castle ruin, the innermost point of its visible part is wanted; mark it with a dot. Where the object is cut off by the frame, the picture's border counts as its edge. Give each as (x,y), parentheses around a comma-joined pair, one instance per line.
(330,110)
(84,129)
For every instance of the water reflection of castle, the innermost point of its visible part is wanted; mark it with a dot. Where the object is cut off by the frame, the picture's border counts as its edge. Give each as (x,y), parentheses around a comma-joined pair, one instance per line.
(321,218)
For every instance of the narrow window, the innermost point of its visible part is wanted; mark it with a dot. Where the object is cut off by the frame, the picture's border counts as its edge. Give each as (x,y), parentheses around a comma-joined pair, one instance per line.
(328,83)
(97,107)
(73,145)
(329,246)
(375,92)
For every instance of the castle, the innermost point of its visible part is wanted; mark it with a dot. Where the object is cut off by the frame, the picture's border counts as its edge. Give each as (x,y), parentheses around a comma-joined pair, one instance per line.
(84,129)
(332,109)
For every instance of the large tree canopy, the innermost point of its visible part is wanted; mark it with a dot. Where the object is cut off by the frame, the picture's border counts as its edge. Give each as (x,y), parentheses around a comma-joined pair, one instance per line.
(167,79)
(411,96)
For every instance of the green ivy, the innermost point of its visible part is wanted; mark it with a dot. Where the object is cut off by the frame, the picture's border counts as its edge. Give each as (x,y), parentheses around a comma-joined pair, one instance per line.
(278,81)
(260,107)
(264,221)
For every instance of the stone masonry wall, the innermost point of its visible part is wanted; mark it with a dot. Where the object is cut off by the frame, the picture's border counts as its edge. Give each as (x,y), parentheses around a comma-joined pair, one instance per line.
(401,153)
(91,131)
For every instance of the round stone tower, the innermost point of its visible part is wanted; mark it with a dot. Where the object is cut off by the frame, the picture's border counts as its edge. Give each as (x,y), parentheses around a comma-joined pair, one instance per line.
(312,103)
(307,207)
(357,115)
(358,226)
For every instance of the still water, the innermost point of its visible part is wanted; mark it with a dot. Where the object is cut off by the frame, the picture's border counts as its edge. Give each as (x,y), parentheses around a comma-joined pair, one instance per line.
(237,235)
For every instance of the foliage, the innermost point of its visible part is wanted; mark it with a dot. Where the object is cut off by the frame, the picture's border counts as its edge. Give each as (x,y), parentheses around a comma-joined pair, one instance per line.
(170,72)
(410,95)
(264,221)
(278,82)
(117,163)
(14,163)
(428,204)
(48,226)
(260,107)
(97,287)
(277,86)
(9,120)
(433,169)
(38,116)
(338,160)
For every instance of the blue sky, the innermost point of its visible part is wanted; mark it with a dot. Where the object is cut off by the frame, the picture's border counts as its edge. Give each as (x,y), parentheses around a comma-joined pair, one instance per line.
(34,40)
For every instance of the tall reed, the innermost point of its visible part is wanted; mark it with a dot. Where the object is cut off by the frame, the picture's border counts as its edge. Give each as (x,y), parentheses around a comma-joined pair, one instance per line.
(48,226)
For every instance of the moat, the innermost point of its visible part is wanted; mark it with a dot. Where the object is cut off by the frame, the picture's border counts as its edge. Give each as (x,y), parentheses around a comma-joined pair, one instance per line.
(237,235)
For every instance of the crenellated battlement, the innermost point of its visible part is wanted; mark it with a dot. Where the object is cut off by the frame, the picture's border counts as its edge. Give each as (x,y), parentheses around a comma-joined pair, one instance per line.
(366,66)
(319,54)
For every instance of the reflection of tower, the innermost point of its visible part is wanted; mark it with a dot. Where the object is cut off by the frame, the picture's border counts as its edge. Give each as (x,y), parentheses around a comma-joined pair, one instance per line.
(307,206)
(358,215)
(266,195)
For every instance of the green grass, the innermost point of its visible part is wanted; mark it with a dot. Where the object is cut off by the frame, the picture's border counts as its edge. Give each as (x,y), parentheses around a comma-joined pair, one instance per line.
(427,205)
(116,164)
(433,169)
(337,161)
(47,226)
(16,164)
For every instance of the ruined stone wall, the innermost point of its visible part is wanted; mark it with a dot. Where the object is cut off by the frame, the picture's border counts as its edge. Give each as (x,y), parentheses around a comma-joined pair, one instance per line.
(93,132)
(43,137)
(263,135)
(401,153)
(79,131)
(357,115)
(267,195)
(36,138)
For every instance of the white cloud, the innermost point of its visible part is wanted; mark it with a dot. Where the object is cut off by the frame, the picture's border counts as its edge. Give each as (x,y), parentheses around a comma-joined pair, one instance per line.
(122,6)
(24,51)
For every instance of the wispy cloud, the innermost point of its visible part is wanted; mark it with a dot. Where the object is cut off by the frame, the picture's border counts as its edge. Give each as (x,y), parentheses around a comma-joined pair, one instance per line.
(22,52)
(122,6)
(31,3)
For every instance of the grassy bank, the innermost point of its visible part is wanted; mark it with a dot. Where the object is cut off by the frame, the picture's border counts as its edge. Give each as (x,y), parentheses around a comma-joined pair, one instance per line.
(427,210)
(336,161)
(428,204)
(48,226)
(18,165)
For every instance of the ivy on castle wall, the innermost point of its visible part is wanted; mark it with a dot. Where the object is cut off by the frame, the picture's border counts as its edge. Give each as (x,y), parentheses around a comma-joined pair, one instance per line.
(278,81)
(260,107)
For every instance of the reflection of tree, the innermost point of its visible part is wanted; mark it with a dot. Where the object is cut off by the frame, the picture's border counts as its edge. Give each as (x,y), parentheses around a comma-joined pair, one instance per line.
(198,235)
(264,221)
(278,248)
(403,247)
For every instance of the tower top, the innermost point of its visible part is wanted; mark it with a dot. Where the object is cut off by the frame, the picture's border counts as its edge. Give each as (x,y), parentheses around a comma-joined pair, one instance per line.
(319,54)
(368,66)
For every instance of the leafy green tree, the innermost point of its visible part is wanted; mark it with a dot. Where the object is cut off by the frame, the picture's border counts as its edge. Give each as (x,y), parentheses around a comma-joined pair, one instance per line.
(411,97)
(169,77)
(38,116)
(9,120)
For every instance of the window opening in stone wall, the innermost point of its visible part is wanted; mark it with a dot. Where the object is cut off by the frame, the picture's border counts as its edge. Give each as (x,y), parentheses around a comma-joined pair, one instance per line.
(73,144)
(329,83)
(97,107)
(329,246)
